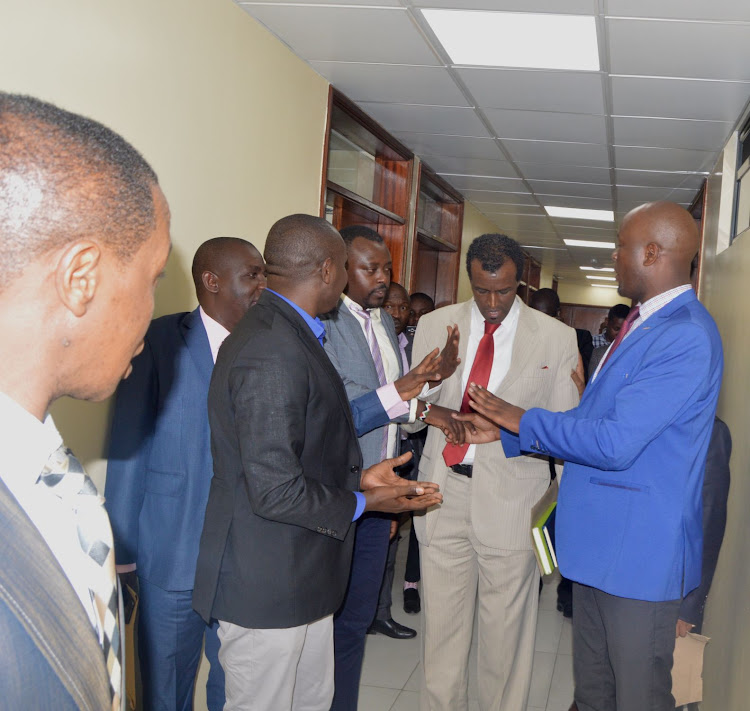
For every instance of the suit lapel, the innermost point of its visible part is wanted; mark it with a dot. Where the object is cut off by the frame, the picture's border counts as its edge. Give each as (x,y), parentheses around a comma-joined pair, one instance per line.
(350,325)
(38,592)
(523,347)
(196,339)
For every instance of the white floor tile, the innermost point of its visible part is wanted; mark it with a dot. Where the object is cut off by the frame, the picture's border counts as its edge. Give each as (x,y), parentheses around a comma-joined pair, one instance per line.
(566,637)
(415,680)
(548,629)
(375,698)
(561,688)
(541,677)
(406,701)
(389,662)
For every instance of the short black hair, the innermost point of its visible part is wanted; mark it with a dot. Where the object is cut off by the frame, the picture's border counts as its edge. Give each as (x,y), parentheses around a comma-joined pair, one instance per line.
(492,251)
(298,244)
(65,177)
(619,311)
(349,234)
(424,297)
(212,255)
(545,296)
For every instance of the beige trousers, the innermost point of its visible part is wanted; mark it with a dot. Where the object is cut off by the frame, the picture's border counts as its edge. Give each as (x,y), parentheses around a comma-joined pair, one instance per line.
(460,575)
(278,669)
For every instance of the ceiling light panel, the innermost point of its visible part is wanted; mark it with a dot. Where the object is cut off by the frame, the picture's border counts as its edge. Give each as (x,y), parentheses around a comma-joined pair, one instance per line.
(580,214)
(529,40)
(606,286)
(597,269)
(569,7)
(603,278)
(589,244)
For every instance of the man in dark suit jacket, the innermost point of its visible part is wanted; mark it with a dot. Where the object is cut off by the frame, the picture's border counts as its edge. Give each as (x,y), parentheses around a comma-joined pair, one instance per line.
(160,469)
(84,235)
(276,544)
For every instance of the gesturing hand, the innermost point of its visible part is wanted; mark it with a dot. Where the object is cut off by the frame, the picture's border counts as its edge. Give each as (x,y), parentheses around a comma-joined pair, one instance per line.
(502,413)
(397,499)
(477,429)
(411,384)
(449,354)
(577,377)
(453,430)
(382,474)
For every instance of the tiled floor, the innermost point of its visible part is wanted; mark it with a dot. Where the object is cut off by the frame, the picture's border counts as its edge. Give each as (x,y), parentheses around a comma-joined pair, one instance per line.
(391,673)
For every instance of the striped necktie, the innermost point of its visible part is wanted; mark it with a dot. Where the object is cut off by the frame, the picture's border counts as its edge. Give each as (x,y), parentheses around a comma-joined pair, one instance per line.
(65,476)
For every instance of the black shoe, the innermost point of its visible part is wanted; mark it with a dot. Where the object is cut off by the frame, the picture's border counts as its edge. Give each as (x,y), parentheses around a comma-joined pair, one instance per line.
(412,604)
(391,628)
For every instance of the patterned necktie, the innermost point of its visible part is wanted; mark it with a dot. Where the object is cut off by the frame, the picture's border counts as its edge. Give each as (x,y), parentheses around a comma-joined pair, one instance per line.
(64,475)
(480,374)
(377,359)
(626,326)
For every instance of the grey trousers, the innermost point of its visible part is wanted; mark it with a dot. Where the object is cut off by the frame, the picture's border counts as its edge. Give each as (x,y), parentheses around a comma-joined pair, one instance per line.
(622,652)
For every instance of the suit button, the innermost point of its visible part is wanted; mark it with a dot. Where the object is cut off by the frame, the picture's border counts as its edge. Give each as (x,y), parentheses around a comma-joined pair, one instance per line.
(354,469)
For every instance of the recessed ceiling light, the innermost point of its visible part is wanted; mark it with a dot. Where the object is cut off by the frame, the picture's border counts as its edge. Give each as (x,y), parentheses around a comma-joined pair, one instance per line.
(588,243)
(606,286)
(603,278)
(517,39)
(597,269)
(580,214)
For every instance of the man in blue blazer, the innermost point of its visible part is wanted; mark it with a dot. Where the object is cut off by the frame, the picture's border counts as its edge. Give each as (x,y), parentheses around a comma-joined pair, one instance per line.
(160,470)
(628,524)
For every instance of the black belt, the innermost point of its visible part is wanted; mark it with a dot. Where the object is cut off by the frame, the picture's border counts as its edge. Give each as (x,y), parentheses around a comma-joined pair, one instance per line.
(463,469)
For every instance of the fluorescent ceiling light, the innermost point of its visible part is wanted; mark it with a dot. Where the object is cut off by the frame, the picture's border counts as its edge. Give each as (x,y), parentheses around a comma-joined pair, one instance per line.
(580,214)
(603,278)
(606,286)
(588,243)
(517,39)
(597,269)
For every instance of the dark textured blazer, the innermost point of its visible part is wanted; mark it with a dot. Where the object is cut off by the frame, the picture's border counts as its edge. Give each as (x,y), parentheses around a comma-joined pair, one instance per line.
(277,539)
(715,495)
(159,464)
(50,658)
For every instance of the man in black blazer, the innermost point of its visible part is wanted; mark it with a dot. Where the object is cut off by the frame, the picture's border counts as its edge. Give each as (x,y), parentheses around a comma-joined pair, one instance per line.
(276,545)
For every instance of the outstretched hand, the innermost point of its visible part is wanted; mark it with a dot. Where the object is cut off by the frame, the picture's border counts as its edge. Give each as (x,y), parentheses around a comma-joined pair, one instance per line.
(477,429)
(383,474)
(386,491)
(428,371)
(502,413)
(449,354)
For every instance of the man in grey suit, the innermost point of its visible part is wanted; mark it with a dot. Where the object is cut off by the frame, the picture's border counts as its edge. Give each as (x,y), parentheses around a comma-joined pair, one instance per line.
(276,545)
(476,548)
(362,344)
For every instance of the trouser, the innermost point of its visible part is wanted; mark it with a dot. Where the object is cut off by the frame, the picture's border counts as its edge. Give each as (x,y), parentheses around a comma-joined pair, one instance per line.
(622,652)
(170,640)
(460,574)
(278,669)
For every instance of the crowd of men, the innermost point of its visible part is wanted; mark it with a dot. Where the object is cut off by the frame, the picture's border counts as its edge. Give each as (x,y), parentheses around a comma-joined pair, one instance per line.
(265,446)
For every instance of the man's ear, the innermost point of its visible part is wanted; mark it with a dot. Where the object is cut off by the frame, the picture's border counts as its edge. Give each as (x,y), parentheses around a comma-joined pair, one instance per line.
(325,270)
(210,282)
(77,275)
(650,254)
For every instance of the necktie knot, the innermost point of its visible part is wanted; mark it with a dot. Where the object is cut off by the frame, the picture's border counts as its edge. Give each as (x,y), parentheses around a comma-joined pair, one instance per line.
(490,328)
(360,310)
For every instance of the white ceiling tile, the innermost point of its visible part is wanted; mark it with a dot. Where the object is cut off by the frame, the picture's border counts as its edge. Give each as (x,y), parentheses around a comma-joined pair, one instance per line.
(470,166)
(671,133)
(449,120)
(486,197)
(708,100)
(535,90)
(659,180)
(679,49)
(547,125)
(732,10)
(567,7)
(549,187)
(350,34)
(552,152)
(392,82)
(519,222)
(569,201)
(629,194)
(469,182)
(584,230)
(663,159)
(511,209)
(431,144)
(564,173)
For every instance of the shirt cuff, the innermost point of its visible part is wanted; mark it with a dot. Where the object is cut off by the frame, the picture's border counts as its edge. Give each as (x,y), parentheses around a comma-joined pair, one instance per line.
(431,392)
(127,568)
(391,401)
(361,501)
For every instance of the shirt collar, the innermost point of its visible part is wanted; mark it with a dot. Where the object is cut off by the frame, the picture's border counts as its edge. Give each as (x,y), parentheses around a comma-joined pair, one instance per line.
(650,307)
(26,443)
(356,309)
(315,324)
(215,331)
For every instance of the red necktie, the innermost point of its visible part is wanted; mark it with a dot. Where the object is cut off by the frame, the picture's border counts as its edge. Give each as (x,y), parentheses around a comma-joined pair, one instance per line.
(626,326)
(480,375)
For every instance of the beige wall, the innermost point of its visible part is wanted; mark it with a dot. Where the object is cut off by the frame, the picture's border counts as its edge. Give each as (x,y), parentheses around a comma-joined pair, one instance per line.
(723,289)
(230,119)
(589,295)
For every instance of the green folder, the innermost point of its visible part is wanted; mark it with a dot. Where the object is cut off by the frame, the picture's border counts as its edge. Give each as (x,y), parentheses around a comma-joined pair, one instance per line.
(542,518)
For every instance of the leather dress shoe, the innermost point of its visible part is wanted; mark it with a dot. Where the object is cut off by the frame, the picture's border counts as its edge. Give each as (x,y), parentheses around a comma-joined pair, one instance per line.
(391,628)
(412,603)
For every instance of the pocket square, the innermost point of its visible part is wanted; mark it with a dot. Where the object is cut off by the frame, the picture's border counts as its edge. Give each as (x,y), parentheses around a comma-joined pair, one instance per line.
(545,367)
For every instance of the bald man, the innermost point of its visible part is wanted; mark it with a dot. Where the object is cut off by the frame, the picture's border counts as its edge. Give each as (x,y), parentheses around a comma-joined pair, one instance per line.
(160,470)
(628,525)
(84,235)
(277,540)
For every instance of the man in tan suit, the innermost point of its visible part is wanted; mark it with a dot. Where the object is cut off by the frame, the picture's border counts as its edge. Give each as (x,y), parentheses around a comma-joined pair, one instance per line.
(476,546)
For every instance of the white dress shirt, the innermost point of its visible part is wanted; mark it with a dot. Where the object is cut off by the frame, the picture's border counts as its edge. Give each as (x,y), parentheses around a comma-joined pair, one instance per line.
(27,444)
(215,331)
